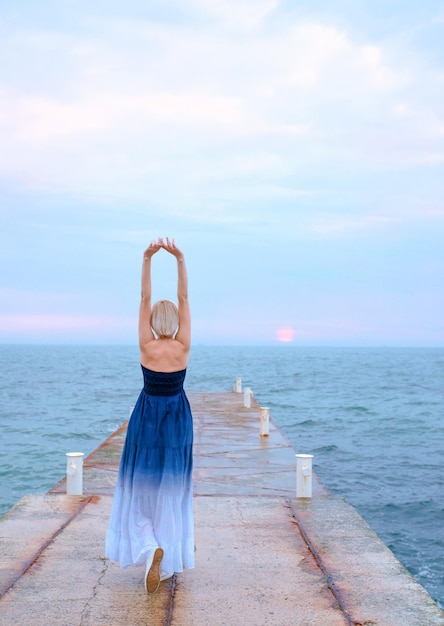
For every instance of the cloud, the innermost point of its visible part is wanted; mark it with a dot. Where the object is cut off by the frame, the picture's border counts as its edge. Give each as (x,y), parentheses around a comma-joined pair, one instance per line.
(48,328)
(337,224)
(135,108)
(238,15)
(41,120)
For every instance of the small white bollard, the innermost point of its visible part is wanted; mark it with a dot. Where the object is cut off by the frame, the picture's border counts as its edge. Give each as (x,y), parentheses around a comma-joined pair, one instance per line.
(247,397)
(304,475)
(238,387)
(265,420)
(74,473)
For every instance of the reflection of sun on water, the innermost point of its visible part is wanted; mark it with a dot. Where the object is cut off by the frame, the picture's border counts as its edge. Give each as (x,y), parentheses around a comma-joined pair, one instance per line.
(285,334)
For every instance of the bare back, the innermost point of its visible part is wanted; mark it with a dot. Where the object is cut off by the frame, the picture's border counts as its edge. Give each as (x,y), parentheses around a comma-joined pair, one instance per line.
(164,355)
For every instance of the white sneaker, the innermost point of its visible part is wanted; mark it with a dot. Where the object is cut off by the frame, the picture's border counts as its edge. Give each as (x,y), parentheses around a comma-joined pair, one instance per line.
(152,571)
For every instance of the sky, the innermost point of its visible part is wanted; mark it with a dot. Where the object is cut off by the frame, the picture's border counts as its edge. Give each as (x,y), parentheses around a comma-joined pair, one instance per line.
(294,150)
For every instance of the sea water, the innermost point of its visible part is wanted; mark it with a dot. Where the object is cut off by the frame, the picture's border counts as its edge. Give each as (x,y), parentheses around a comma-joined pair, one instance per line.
(372,417)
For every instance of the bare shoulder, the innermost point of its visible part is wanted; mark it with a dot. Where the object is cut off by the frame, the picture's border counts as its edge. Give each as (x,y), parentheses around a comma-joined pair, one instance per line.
(164,355)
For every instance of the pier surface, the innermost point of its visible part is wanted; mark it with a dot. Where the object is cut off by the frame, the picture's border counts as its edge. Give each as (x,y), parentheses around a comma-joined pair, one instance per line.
(263,557)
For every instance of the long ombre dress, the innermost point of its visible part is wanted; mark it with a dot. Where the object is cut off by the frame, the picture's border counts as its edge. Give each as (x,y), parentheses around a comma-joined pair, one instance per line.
(152,503)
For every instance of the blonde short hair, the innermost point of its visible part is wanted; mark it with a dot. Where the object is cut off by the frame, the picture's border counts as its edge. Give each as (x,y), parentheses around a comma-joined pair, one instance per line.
(164,319)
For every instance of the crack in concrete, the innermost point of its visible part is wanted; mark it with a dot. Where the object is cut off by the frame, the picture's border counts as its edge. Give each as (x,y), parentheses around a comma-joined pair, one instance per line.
(87,608)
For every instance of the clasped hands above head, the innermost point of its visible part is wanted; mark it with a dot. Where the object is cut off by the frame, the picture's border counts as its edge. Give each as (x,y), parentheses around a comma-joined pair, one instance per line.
(167,244)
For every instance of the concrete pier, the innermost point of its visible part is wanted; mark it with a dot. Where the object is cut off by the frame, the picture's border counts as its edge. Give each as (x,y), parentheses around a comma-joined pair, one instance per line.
(263,557)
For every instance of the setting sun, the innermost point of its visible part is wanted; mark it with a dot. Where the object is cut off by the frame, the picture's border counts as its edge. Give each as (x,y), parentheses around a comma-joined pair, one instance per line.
(285,334)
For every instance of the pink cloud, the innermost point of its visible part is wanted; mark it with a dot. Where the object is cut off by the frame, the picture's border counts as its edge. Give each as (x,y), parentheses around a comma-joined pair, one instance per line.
(37,323)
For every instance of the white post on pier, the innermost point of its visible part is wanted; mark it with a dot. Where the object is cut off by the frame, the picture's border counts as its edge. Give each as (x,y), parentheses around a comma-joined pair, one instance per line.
(238,387)
(265,420)
(74,473)
(247,397)
(304,475)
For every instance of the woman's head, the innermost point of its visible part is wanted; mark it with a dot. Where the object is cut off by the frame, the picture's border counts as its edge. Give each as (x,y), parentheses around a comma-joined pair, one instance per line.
(164,319)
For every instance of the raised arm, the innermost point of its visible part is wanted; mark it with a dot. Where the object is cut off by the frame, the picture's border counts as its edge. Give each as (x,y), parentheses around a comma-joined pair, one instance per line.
(145,331)
(184,334)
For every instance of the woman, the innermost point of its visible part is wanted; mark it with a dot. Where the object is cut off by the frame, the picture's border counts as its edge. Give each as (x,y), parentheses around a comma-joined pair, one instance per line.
(152,516)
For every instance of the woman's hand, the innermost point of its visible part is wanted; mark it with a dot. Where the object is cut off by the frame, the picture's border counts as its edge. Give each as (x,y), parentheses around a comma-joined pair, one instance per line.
(171,247)
(183,335)
(153,248)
